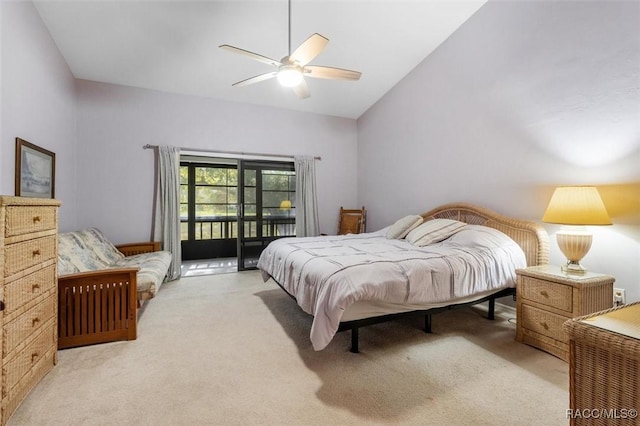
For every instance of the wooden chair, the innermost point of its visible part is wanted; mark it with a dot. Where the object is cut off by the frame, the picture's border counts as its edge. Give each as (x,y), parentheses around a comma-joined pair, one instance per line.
(352,221)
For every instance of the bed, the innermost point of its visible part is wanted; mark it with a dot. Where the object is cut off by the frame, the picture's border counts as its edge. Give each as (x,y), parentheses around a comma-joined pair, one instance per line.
(349,281)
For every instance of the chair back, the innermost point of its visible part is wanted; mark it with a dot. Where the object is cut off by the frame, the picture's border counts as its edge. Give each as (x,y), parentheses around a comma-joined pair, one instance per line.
(352,221)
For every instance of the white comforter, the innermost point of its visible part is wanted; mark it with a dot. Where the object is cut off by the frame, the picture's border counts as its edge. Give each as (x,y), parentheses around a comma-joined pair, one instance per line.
(328,274)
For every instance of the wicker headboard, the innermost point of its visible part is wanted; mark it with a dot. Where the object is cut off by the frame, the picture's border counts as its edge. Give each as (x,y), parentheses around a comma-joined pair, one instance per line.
(532,237)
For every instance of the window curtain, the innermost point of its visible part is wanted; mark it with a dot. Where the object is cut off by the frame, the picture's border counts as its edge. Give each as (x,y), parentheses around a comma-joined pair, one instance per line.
(167,215)
(306,203)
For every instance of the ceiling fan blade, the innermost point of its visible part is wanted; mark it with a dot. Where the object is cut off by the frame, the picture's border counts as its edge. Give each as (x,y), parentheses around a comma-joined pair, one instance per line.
(256,79)
(302,90)
(309,49)
(251,55)
(331,72)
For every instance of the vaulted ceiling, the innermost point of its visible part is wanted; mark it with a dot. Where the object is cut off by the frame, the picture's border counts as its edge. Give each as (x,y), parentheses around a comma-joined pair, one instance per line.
(172,46)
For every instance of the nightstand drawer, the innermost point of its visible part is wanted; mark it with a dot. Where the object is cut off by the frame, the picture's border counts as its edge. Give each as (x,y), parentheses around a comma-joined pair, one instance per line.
(555,295)
(543,322)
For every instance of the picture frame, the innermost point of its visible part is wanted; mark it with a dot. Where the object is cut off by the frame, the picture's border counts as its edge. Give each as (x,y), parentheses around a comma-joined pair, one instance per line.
(35,170)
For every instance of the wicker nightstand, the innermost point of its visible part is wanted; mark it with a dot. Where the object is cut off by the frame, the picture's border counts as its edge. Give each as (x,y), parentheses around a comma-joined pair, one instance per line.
(547,297)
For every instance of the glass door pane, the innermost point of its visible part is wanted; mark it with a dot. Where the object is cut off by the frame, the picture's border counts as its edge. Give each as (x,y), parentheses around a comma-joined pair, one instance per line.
(265,209)
(208,203)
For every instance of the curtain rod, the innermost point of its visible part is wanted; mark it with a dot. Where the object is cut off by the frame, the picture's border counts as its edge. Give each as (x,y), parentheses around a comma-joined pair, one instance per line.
(149,146)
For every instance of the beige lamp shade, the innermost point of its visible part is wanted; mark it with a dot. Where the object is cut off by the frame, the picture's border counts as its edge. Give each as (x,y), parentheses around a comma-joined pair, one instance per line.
(576,205)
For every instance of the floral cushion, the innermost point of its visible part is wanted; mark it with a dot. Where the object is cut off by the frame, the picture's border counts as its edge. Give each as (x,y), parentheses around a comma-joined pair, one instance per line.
(102,248)
(90,250)
(153,268)
(75,255)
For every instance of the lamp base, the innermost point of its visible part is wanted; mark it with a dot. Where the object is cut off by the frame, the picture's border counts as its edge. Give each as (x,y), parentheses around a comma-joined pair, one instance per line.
(574,242)
(574,268)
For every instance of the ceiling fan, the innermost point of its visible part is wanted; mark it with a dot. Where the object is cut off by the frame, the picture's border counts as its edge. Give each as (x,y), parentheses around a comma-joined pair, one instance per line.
(292,68)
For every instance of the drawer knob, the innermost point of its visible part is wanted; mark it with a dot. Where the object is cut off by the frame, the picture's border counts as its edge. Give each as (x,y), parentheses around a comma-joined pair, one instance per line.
(36,219)
(34,357)
(35,321)
(35,287)
(36,252)
(544,325)
(543,293)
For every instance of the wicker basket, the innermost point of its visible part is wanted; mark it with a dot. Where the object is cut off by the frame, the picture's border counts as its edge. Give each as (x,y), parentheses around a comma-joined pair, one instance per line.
(604,367)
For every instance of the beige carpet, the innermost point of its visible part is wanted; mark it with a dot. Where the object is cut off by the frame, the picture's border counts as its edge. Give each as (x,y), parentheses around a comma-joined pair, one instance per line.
(231,350)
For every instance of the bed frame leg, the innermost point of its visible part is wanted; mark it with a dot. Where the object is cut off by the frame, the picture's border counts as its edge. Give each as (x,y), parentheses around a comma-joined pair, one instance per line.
(492,309)
(427,323)
(354,340)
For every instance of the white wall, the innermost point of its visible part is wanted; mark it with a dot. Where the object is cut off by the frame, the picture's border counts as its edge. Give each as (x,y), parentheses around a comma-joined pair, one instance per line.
(116,188)
(37,102)
(525,96)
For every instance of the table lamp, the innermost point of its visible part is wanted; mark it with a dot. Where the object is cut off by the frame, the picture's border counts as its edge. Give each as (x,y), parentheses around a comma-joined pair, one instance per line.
(574,207)
(285,204)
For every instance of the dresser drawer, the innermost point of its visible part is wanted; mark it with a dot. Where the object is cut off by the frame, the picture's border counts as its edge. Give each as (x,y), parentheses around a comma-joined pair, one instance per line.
(16,395)
(18,364)
(26,219)
(23,255)
(551,294)
(22,291)
(543,322)
(26,325)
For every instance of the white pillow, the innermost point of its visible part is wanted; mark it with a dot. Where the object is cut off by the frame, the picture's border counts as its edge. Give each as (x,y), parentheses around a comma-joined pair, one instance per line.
(480,236)
(402,226)
(433,231)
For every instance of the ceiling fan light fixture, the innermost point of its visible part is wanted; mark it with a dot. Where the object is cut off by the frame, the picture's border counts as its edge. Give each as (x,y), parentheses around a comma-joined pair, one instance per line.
(289,75)
(292,69)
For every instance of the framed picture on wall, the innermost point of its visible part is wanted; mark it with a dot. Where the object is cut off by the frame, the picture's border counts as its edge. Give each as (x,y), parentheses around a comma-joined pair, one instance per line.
(35,170)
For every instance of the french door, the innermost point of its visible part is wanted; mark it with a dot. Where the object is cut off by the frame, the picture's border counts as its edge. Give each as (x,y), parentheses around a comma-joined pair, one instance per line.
(234,208)
(208,203)
(266,200)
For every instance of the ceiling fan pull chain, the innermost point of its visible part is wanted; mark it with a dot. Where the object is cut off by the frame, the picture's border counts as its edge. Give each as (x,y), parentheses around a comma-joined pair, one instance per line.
(289,27)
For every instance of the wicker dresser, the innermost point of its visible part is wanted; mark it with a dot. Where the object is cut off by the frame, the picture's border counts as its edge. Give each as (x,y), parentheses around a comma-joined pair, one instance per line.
(28,301)
(604,367)
(547,297)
